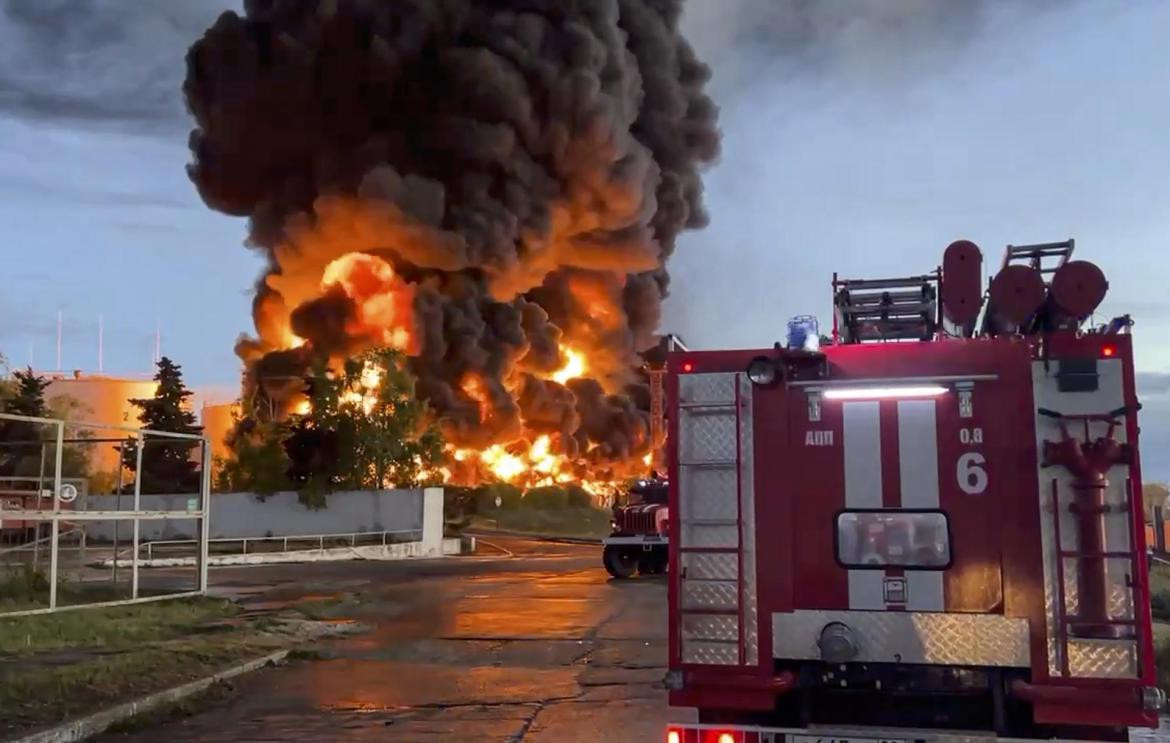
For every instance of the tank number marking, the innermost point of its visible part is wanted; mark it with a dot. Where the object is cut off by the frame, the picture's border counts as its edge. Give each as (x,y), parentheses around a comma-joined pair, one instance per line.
(971,435)
(818,438)
(970,473)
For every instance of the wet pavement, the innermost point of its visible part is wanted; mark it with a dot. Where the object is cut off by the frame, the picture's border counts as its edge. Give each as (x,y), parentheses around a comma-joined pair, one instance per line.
(537,646)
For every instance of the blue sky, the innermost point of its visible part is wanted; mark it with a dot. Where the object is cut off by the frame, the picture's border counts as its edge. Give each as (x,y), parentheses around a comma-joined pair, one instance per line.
(862,142)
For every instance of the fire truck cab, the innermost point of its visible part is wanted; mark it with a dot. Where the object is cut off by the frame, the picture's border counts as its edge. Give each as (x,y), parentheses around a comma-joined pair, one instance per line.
(641,527)
(929,529)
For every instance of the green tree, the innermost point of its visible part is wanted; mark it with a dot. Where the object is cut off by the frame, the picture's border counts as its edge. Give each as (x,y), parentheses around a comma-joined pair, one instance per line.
(1154,494)
(366,429)
(21,442)
(258,463)
(167,464)
(7,385)
(18,452)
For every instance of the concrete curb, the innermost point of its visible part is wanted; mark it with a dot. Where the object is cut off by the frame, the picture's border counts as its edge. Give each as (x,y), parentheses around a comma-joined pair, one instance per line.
(82,728)
(403,551)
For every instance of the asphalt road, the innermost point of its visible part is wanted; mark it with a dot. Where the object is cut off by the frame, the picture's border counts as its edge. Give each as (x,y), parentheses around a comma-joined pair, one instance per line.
(537,646)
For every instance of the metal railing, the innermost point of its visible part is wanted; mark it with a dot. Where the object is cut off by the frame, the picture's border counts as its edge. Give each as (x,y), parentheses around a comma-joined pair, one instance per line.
(367,538)
(56,516)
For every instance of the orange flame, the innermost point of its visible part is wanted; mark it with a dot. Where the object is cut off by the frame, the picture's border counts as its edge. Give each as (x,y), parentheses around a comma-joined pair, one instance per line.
(383,300)
(574,366)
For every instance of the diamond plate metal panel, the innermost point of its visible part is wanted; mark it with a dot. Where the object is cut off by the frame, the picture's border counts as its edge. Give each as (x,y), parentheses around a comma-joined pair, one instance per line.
(1102,658)
(710,566)
(720,628)
(708,536)
(706,388)
(707,436)
(909,637)
(1072,603)
(709,594)
(747,511)
(1048,553)
(707,493)
(1120,594)
(710,653)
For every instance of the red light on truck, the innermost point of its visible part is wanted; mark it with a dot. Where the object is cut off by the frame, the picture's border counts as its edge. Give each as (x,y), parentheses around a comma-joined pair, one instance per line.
(688,367)
(726,738)
(1108,351)
(673,736)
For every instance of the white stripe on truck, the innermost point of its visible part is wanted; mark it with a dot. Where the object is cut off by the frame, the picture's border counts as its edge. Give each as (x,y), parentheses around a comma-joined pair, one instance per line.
(918,472)
(862,437)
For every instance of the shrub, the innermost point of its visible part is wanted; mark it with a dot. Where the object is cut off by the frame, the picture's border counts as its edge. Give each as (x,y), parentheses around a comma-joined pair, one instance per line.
(1160,607)
(546,498)
(24,583)
(485,499)
(578,497)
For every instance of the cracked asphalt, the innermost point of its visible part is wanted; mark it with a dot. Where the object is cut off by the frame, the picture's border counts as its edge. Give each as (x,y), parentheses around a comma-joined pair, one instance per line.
(539,646)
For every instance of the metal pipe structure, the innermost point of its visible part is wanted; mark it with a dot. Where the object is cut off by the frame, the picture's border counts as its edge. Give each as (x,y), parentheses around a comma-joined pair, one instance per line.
(118,506)
(137,508)
(55,528)
(1089,462)
(40,490)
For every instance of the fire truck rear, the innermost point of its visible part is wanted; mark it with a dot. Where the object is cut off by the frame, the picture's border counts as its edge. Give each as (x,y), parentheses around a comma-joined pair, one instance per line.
(931,524)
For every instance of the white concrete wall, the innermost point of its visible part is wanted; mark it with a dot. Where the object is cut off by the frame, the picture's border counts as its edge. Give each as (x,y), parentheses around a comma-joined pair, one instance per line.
(282,514)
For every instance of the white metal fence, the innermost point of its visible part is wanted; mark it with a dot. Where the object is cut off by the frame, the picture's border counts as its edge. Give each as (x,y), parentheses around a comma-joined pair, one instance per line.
(48,510)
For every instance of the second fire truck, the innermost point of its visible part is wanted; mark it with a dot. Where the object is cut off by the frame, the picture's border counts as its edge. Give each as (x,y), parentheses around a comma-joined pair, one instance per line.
(930,529)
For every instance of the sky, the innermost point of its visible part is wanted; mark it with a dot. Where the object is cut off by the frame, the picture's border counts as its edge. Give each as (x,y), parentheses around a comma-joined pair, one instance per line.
(858,136)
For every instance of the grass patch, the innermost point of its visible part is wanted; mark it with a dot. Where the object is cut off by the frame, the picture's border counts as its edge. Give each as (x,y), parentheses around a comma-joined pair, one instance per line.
(25,588)
(566,522)
(110,629)
(57,666)
(34,695)
(319,609)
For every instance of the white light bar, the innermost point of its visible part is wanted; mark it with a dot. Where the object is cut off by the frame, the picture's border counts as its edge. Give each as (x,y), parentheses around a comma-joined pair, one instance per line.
(883,393)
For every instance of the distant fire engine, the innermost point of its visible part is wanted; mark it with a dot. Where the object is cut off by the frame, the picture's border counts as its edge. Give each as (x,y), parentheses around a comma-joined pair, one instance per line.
(640,531)
(640,539)
(930,523)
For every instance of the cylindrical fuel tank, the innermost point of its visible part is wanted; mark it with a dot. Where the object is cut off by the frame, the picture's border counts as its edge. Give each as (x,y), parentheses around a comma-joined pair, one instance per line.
(962,277)
(1016,295)
(1078,288)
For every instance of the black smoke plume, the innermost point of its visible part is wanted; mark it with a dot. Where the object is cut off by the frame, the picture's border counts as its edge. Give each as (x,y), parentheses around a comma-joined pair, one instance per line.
(525,167)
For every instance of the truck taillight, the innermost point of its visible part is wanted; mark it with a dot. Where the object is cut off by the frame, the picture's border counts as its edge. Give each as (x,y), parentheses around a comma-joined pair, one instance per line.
(673,736)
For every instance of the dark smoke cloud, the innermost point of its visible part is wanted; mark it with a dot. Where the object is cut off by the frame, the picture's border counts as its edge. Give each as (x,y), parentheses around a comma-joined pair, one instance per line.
(526,165)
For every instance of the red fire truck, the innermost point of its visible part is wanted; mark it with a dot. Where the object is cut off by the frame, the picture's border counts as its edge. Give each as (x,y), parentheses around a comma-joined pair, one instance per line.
(641,531)
(931,524)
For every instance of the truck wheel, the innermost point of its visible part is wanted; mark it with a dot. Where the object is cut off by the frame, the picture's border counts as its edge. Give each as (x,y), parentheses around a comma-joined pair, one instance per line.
(653,562)
(620,562)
